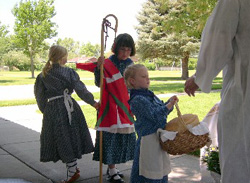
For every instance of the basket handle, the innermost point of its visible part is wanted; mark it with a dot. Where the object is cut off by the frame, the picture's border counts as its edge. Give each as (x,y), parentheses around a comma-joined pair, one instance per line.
(179,115)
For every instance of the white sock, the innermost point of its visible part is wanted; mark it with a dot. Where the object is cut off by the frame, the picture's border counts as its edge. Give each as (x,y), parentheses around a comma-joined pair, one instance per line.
(71,168)
(113,171)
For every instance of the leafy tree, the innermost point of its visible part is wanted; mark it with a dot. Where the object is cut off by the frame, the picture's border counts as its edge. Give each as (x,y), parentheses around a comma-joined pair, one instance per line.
(6,45)
(166,30)
(72,46)
(43,54)
(33,25)
(3,30)
(76,50)
(188,18)
(90,50)
(4,41)
(148,31)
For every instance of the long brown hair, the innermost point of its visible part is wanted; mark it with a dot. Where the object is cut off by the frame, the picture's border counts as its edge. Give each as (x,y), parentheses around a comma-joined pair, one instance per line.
(56,53)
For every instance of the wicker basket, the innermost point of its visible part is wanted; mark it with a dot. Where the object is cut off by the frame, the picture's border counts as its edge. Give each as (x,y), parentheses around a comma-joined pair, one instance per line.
(185,141)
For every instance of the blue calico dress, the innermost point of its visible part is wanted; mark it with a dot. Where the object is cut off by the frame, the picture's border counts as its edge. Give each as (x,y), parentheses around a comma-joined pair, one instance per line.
(151,114)
(117,148)
(59,139)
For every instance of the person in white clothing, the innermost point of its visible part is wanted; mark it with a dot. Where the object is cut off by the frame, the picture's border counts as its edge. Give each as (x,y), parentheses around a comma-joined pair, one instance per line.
(225,46)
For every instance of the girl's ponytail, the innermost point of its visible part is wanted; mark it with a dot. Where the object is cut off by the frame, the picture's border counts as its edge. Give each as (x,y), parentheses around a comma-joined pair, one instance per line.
(46,68)
(56,53)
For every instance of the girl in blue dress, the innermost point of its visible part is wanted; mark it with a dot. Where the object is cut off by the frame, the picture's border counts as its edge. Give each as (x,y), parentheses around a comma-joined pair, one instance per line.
(151,164)
(65,135)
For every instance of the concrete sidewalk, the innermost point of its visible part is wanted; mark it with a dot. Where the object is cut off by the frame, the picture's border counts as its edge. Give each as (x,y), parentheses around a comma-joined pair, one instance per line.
(26,91)
(19,154)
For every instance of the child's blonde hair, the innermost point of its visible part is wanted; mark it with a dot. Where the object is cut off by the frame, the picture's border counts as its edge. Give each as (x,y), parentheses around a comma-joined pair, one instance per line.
(130,72)
(56,53)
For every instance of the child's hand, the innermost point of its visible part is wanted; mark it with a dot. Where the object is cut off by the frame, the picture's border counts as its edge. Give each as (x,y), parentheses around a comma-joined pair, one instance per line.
(100,61)
(97,105)
(172,101)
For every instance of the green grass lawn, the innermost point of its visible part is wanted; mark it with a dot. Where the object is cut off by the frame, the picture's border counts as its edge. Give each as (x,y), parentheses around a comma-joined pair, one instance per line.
(24,77)
(199,105)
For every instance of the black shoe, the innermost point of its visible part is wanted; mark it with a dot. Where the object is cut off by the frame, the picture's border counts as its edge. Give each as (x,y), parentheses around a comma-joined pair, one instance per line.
(118,172)
(112,180)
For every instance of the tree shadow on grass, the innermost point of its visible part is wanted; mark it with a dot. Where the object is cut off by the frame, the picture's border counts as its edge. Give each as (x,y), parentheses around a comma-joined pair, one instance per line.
(161,88)
(165,78)
(19,81)
(217,79)
(7,81)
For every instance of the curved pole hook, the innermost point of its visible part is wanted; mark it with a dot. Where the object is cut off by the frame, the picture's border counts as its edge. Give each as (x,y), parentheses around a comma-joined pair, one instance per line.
(105,25)
(116,20)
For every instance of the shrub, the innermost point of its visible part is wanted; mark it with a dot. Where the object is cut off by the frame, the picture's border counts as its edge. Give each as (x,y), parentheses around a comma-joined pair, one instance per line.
(150,66)
(71,65)
(16,59)
(192,63)
(39,66)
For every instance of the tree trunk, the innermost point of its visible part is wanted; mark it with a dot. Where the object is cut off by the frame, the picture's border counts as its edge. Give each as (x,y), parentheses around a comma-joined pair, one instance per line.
(156,65)
(185,66)
(32,65)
